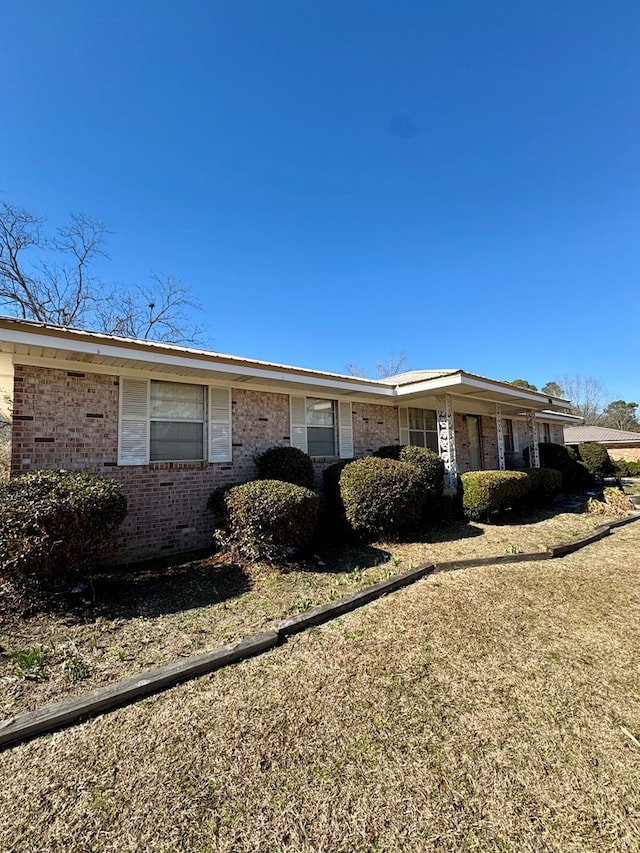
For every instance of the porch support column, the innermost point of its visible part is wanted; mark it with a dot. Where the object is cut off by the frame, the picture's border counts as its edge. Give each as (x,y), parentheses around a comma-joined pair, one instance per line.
(500,432)
(534,450)
(447,443)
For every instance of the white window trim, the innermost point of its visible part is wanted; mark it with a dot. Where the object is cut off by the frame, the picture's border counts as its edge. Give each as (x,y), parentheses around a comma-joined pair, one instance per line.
(343,425)
(403,425)
(134,431)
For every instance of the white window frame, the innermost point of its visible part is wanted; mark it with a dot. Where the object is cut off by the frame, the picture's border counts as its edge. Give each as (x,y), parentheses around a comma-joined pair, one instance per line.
(404,419)
(202,421)
(134,423)
(342,426)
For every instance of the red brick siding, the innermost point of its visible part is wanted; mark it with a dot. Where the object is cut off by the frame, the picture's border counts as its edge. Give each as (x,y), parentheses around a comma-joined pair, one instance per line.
(64,420)
(373,427)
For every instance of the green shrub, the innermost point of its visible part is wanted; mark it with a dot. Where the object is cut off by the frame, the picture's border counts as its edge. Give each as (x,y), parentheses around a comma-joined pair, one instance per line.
(287,464)
(270,519)
(626,468)
(596,457)
(381,497)
(544,485)
(53,524)
(575,475)
(333,514)
(217,504)
(429,465)
(484,492)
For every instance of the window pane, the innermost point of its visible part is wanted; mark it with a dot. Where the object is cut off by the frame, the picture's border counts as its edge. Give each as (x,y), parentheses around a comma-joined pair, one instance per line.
(177,401)
(432,441)
(507,431)
(430,422)
(321,441)
(416,438)
(416,419)
(174,442)
(320,413)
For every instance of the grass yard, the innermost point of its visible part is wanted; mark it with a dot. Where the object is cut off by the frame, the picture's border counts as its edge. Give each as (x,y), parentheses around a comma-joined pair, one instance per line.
(145,618)
(484,709)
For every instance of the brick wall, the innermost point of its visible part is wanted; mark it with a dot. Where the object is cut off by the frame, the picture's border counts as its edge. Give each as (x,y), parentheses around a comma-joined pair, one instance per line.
(70,420)
(629,454)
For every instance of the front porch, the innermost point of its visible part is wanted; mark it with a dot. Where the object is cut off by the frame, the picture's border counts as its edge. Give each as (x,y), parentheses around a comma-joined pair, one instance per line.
(475,423)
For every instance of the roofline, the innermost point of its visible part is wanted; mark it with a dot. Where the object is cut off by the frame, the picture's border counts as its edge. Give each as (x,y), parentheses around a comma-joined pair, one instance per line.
(31,332)
(98,343)
(483,384)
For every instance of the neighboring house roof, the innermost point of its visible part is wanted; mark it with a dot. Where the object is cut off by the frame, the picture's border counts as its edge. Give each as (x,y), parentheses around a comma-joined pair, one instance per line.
(63,347)
(604,435)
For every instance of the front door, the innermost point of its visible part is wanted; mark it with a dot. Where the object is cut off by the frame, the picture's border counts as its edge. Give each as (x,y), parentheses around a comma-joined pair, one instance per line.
(475,446)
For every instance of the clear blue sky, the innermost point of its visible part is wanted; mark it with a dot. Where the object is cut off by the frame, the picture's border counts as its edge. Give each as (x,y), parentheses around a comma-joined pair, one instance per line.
(334,180)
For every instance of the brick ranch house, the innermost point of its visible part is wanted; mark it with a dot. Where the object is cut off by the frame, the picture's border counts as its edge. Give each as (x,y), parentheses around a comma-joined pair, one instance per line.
(171,423)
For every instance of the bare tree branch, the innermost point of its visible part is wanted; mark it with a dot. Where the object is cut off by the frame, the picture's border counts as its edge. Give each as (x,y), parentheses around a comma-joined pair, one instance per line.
(391,367)
(52,281)
(587,394)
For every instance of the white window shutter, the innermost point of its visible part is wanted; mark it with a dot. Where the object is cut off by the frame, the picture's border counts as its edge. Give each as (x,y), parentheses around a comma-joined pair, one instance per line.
(345,430)
(403,419)
(298,423)
(133,435)
(219,424)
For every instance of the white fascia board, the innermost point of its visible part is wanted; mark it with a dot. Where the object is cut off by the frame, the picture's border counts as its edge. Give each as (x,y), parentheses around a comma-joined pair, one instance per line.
(152,358)
(512,391)
(428,386)
(454,380)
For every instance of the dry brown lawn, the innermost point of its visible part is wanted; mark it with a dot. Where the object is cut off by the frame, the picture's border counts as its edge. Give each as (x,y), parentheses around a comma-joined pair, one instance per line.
(484,709)
(151,616)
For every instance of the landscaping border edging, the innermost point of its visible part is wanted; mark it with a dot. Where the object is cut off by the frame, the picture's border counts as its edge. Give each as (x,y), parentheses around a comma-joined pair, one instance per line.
(33,723)
(56,716)
(74,709)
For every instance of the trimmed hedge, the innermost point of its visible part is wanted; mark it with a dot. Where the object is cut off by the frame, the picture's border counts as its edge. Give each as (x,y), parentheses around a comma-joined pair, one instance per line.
(626,468)
(217,504)
(544,485)
(270,519)
(381,497)
(333,514)
(53,524)
(575,475)
(484,492)
(288,464)
(596,457)
(429,465)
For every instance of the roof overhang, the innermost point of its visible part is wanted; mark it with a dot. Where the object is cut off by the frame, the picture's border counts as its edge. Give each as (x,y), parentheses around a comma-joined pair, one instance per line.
(28,342)
(480,395)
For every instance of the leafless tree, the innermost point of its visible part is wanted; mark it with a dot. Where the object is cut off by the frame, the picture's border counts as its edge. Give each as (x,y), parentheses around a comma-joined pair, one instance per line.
(391,367)
(587,394)
(157,310)
(51,279)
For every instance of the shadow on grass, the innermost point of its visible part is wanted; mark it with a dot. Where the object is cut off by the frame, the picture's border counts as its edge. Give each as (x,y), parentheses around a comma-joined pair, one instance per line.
(449,531)
(347,557)
(162,587)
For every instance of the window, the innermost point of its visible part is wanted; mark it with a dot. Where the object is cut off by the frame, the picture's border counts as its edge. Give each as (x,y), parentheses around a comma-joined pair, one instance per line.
(544,433)
(507,435)
(419,427)
(177,422)
(173,422)
(322,427)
